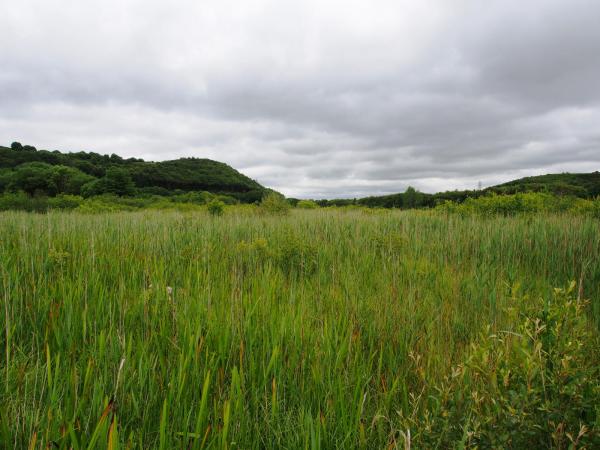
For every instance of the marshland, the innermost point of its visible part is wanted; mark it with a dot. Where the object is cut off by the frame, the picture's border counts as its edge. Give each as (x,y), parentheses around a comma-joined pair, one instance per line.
(323,328)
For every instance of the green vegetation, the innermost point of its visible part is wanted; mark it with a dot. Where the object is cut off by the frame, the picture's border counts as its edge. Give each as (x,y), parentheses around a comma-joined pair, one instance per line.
(45,173)
(307,204)
(323,328)
(584,185)
(527,203)
(274,203)
(216,208)
(570,185)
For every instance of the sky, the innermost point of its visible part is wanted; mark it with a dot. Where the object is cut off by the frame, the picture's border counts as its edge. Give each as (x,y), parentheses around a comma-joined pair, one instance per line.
(314,98)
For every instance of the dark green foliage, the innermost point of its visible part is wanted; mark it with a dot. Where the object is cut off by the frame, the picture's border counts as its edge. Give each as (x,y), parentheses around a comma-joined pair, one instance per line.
(579,185)
(69,180)
(411,198)
(154,178)
(24,202)
(192,174)
(116,181)
(584,185)
(5,179)
(42,178)
(32,178)
(64,202)
(337,202)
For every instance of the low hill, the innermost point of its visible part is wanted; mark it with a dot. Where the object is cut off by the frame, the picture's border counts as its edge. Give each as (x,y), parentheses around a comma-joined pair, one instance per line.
(582,185)
(53,172)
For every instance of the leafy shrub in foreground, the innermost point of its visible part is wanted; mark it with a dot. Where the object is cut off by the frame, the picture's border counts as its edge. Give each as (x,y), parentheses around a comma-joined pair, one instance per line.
(537,386)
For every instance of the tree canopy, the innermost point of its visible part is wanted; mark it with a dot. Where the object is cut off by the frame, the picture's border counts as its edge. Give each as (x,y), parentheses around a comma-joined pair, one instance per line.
(43,172)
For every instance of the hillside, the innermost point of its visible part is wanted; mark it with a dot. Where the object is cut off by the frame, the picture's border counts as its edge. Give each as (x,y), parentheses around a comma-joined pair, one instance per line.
(582,185)
(52,172)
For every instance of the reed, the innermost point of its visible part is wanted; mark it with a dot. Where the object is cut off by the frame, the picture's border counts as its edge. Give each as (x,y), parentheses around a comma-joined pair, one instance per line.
(316,329)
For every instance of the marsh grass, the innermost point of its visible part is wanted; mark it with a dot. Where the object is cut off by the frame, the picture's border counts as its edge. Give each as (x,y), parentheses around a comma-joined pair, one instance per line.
(314,330)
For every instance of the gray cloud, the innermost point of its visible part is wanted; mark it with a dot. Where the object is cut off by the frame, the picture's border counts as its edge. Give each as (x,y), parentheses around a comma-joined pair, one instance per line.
(314,98)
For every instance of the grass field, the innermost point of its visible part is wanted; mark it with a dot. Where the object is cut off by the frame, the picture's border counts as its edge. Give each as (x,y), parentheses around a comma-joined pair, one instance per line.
(321,329)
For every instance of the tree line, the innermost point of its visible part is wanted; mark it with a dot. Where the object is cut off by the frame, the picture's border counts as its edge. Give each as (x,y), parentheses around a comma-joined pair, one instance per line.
(23,168)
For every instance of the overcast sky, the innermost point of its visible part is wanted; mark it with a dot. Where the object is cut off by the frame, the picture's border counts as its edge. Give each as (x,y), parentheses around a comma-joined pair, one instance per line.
(316,99)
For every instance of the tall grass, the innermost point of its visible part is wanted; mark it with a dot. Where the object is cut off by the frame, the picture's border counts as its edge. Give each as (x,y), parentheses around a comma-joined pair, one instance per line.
(313,330)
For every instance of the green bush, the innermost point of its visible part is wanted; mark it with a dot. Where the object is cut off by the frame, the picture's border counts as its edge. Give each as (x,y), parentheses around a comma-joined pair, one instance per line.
(292,254)
(307,204)
(296,255)
(116,181)
(216,207)
(275,204)
(522,203)
(65,202)
(23,202)
(249,256)
(536,386)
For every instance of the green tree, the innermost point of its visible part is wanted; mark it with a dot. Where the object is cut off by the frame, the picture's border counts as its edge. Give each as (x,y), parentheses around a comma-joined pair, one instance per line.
(32,178)
(69,180)
(116,181)
(411,198)
(16,146)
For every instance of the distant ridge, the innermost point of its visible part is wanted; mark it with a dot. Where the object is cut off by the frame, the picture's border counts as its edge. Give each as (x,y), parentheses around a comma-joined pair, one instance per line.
(162,178)
(583,185)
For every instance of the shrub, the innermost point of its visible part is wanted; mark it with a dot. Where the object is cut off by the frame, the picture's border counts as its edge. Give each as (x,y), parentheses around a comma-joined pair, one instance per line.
(22,201)
(116,181)
(296,255)
(275,204)
(292,254)
(521,203)
(111,203)
(307,204)
(65,202)
(248,256)
(533,387)
(216,207)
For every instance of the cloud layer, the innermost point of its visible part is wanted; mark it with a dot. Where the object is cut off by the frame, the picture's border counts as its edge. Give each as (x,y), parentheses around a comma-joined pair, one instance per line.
(314,98)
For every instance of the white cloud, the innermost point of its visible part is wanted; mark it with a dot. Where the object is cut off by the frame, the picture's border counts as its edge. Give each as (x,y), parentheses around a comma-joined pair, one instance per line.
(314,98)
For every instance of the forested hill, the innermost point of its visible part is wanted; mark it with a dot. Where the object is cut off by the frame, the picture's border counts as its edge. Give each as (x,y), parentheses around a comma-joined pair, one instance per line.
(582,185)
(24,168)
